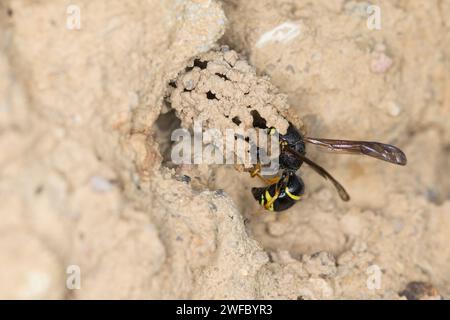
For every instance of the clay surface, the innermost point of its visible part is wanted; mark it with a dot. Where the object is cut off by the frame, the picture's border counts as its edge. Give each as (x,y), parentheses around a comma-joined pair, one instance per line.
(88,189)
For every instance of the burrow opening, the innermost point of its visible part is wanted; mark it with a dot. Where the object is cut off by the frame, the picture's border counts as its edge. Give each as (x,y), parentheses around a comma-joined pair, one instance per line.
(163,127)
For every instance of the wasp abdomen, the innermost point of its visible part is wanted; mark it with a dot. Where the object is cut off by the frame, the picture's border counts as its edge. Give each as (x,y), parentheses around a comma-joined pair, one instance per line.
(282,195)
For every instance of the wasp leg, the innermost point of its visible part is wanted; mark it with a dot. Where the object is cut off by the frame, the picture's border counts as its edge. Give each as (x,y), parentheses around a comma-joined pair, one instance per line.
(255,172)
(270,181)
(269,204)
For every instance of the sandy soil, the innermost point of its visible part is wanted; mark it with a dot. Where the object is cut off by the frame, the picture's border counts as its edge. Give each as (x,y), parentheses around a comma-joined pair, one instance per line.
(87,187)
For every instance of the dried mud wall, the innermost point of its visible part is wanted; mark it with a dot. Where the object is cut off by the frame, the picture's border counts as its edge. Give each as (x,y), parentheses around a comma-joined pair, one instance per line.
(84,179)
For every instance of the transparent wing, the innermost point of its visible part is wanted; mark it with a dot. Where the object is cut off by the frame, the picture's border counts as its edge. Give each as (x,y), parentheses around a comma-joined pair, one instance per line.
(385,152)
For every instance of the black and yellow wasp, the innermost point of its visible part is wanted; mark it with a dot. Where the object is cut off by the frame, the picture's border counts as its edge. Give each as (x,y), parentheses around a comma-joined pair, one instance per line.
(283,191)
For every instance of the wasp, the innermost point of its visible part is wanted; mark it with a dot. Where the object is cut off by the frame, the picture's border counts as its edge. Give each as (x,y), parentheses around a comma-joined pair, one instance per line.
(283,191)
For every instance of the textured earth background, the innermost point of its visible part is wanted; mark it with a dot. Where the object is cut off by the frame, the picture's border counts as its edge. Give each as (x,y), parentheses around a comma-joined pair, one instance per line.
(86,183)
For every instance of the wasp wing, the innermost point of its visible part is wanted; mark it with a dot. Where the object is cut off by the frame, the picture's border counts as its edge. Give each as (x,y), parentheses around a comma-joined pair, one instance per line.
(381,151)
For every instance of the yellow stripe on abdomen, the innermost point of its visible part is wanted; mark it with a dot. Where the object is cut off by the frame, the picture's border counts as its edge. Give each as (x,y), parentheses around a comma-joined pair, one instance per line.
(262,200)
(292,196)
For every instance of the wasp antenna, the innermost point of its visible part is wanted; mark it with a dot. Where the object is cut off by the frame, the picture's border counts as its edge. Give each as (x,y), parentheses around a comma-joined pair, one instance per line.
(340,189)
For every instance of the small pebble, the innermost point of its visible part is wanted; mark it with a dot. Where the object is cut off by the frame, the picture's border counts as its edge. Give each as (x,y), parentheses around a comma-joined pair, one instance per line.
(418,290)
(184,178)
(100,184)
(393,109)
(231,57)
(220,193)
(381,63)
